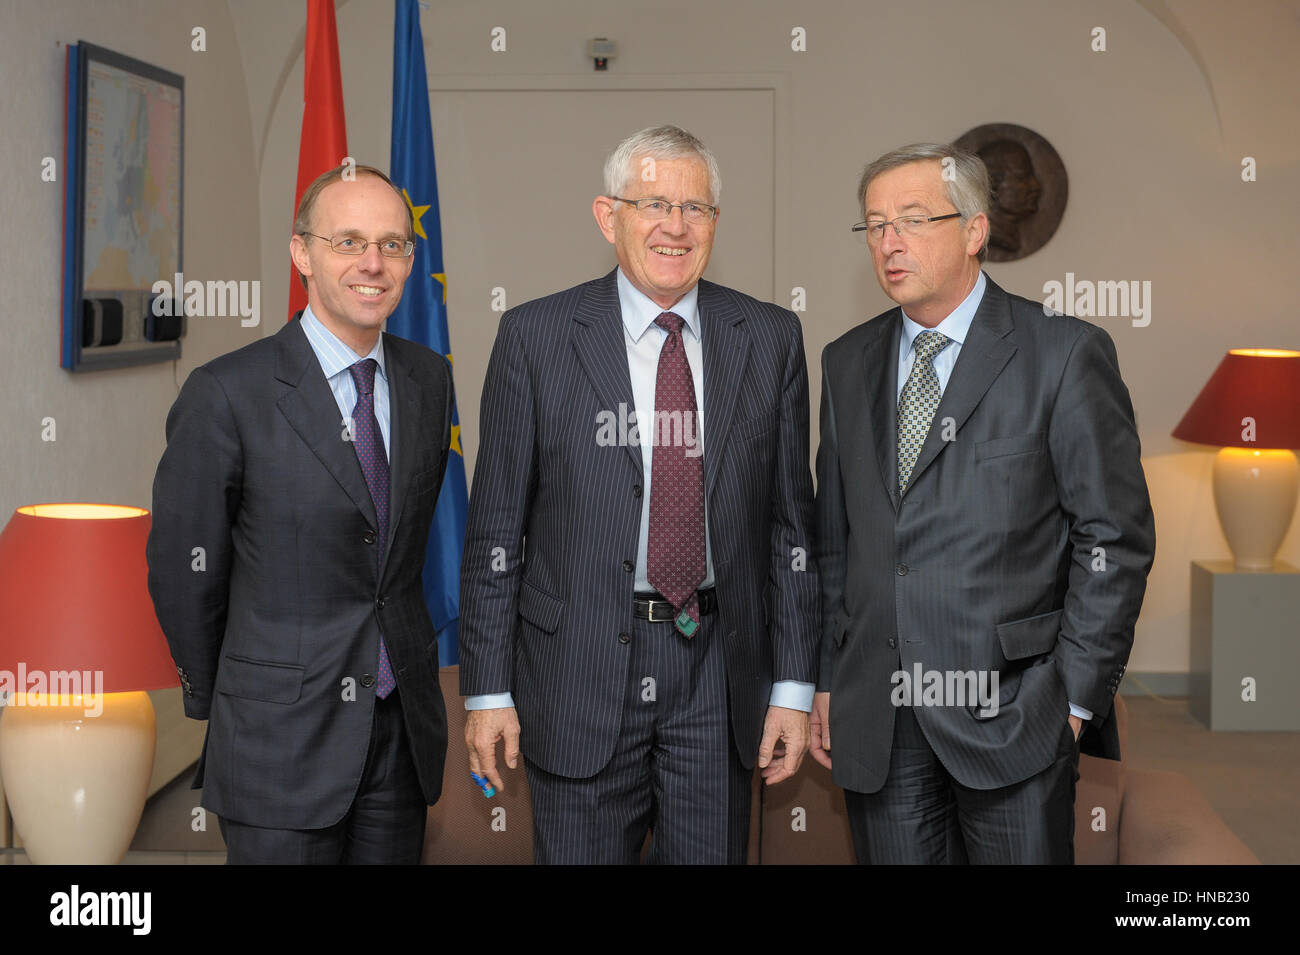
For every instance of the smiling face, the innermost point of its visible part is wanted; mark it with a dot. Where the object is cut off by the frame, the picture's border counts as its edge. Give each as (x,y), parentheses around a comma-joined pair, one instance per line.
(352,295)
(928,274)
(663,258)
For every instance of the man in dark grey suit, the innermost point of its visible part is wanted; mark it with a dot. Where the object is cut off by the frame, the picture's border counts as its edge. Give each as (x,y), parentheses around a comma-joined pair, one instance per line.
(286,553)
(638,600)
(984,539)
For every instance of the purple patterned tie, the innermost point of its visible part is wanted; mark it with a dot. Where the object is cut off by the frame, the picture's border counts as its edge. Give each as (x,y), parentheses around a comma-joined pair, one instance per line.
(675,563)
(374,465)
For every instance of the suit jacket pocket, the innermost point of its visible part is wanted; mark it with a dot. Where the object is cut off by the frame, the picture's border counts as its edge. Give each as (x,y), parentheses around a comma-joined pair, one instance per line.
(1005,447)
(539,608)
(259,680)
(1030,636)
(751,427)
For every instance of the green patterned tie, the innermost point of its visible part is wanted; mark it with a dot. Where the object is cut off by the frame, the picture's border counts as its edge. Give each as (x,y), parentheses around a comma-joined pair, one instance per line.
(917,402)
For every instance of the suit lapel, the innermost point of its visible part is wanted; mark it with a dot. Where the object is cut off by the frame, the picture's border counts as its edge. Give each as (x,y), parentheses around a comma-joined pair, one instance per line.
(880,382)
(408,415)
(726,351)
(313,413)
(598,340)
(984,354)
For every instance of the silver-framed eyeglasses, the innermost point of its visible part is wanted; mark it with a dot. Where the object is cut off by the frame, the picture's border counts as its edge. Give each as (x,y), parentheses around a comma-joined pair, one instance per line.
(349,244)
(662,209)
(905,226)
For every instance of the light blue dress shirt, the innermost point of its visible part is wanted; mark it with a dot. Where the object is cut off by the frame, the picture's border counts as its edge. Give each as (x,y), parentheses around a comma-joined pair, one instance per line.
(644,340)
(956,326)
(335,359)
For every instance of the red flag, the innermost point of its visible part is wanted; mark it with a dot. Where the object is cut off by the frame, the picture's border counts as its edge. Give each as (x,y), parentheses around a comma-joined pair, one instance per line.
(324,141)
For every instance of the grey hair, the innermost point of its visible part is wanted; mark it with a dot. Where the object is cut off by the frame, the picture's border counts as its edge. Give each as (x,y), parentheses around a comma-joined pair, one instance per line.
(968,186)
(658,142)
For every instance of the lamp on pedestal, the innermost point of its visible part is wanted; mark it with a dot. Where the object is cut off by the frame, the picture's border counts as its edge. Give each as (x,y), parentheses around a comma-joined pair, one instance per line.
(79,645)
(1250,408)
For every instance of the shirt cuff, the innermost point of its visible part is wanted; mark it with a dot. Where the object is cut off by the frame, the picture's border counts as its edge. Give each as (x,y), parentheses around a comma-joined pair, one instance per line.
(793,695)
(1080,712)
(489,701)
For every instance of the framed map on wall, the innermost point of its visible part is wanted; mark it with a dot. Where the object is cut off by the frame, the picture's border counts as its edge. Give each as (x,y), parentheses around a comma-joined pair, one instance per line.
(123,203)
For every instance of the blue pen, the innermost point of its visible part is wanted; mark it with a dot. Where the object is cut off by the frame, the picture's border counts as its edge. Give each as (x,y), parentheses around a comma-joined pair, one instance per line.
(488,789)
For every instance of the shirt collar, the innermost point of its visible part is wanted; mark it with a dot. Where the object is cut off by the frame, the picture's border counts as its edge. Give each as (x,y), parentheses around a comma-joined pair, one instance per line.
(958,322)
(334,356)
(639,312)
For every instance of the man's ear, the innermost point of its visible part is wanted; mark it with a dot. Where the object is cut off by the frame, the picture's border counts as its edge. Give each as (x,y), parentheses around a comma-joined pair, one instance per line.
(603,209)
(298,253)
(977,234)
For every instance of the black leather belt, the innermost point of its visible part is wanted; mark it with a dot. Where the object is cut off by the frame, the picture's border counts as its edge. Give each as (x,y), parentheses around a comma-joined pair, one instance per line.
(656,609)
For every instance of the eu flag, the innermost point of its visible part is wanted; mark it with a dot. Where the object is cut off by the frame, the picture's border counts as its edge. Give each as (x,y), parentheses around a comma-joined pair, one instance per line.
(422,314)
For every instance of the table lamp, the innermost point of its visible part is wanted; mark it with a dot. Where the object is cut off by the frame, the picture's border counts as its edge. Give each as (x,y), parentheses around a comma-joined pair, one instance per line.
(79,645)
(1250,408)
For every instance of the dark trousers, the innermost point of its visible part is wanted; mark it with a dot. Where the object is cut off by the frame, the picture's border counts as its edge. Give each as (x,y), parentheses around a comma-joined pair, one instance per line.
(385,825)
(675,773)
(924,816)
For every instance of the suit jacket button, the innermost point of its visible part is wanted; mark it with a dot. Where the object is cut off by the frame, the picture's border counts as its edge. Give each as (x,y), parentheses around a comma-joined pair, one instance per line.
(624,638)
(367,679)
(379,603)
(629,566)
(369,537)
(636,490)
(892,643)
(902,570)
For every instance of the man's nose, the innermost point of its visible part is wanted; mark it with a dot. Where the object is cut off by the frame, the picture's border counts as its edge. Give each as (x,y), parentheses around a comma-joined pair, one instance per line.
(371,260)
(892,240)
(675,224)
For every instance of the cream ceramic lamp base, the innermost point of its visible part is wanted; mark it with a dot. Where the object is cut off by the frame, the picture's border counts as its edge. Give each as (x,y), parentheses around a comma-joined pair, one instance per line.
(76,781)
(1255,494)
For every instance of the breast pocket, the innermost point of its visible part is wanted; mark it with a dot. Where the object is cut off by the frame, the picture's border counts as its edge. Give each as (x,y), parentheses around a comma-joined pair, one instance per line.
(1011,446)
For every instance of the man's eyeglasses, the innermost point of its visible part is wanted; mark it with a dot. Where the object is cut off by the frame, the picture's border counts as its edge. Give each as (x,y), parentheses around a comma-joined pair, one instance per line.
(355,245)
(905,226)
(662,209)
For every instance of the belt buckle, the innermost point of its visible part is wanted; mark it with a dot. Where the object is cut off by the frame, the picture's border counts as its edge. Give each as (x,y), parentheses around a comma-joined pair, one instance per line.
(653,606)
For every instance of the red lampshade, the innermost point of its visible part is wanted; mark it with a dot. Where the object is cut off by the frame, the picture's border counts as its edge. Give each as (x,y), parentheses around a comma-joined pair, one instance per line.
(74,596)
(1258,383)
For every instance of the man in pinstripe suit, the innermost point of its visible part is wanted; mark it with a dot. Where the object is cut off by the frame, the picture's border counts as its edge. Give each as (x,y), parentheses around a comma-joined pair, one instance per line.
(638,601)
(983,521)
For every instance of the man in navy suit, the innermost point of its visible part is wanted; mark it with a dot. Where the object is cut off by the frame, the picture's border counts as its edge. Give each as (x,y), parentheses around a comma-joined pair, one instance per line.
(639,605)
(291,512)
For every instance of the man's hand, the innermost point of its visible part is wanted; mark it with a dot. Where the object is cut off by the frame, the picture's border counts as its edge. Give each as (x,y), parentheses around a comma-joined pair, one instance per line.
(1076,724)
(820,724)
(791,728)
(482,730)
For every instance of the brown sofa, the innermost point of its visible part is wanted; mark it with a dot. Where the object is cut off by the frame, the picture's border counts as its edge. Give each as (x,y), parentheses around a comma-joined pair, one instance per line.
(1122,816)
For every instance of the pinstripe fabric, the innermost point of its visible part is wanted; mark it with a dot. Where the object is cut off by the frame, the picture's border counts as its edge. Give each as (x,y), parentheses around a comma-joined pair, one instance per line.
(988,562)
(552,622)
(675,769)
(922,816)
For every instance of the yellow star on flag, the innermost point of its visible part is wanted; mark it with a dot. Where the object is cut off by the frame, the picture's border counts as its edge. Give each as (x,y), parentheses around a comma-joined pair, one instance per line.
(455,440)
(442,280)
(416,212)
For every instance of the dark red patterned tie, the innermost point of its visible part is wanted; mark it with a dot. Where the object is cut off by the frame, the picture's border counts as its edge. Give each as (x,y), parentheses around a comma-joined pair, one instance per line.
(374,465)
(676,556)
